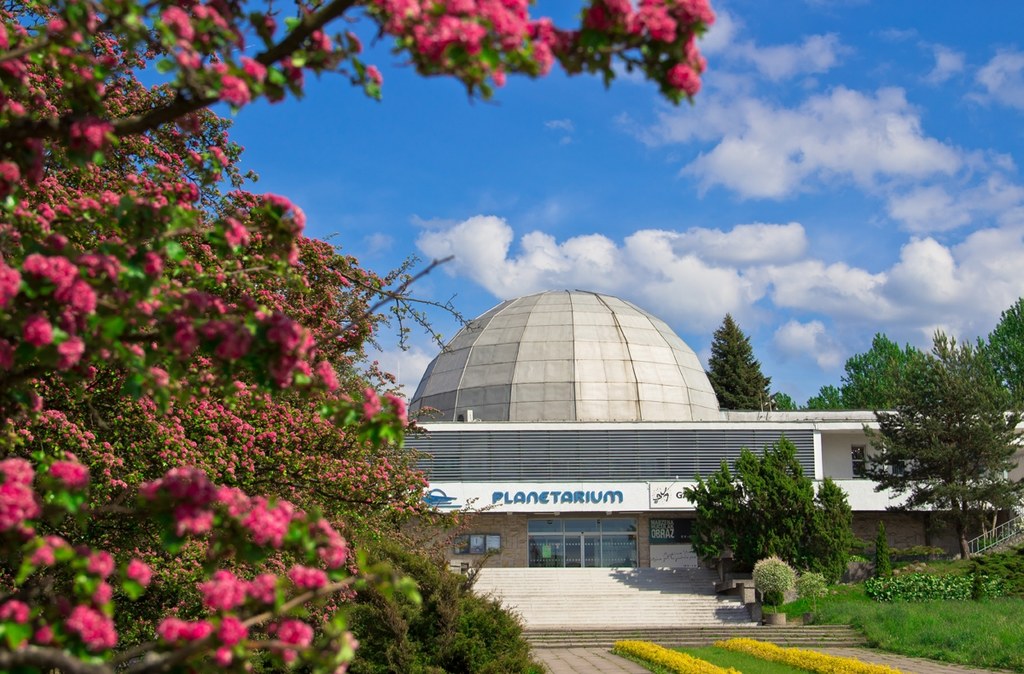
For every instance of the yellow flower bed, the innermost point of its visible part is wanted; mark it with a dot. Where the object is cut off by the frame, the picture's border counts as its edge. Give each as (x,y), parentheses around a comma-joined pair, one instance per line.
(804,659)
(673,661)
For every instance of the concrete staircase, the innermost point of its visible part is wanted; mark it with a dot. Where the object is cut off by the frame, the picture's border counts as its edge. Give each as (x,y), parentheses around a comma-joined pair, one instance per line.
(592,599)
(817,636)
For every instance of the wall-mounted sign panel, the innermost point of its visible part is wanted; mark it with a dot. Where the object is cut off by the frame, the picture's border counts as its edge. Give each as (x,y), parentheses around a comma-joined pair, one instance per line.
(670,496)
(531,497)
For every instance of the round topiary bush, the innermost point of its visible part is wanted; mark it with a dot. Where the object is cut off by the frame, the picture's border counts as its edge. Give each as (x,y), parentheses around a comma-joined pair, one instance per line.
(811,585)
(773,577)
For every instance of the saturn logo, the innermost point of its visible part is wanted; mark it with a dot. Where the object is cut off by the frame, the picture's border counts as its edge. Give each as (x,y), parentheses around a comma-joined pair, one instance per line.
(436,498)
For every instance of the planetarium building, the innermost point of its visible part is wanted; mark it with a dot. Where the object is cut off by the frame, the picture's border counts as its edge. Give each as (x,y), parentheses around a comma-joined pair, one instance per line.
(571,422)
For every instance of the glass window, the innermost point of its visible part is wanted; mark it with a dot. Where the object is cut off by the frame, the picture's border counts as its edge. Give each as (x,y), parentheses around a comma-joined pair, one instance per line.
(618,550)
(544,526)
(546,551)
(858,460)
(618,525)
(581,526)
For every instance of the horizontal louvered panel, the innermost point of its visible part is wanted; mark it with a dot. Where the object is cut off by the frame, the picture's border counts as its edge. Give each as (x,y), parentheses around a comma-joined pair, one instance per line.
(624,455)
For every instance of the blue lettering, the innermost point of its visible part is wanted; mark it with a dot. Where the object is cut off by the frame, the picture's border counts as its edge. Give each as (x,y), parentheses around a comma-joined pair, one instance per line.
(496,496)
(544,496)
(533,497)
(566,497)
(520,497)
(593,497)
(554,496)
(577,497)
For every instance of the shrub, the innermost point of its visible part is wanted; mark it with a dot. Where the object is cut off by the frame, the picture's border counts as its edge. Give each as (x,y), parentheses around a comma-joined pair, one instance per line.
(1009,566)
(927,587)
(673,661)
(811,585)
(773,577)
(803,659)
(450,630)
(883,560)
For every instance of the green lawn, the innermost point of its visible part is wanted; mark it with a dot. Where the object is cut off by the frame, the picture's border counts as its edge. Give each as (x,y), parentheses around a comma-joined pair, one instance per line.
(983,634)
(741,661)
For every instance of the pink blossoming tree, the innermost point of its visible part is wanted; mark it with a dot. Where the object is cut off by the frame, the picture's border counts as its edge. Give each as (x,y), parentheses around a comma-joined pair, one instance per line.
(171,344)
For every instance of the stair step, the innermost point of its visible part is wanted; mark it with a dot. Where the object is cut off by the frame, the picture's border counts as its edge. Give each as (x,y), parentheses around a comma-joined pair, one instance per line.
(815,635)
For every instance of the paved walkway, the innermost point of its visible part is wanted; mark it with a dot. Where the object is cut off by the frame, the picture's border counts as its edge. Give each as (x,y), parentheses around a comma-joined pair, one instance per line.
(585,661)
(600,661)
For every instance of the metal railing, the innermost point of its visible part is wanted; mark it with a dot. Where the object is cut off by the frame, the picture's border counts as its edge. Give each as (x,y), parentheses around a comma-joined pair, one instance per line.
(1004,533)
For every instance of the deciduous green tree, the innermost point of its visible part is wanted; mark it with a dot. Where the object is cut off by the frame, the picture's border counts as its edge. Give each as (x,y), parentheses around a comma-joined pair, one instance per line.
(829,398)
(871,378)
(1006,348)
(734,372)
(951,437)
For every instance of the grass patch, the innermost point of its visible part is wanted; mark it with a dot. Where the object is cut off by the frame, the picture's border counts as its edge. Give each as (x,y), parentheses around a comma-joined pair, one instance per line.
(740,661)
(979,633)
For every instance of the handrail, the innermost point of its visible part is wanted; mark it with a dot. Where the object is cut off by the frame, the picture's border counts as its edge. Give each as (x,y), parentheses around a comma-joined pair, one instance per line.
(1005,531)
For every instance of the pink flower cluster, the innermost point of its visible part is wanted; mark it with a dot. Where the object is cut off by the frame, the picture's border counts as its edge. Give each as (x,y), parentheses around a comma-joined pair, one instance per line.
(307,578)
(269,523)
(17,499)
(294,634)
(94,628)
(224,592)
(176,630)
(73,474)
(89,135)
(139,571)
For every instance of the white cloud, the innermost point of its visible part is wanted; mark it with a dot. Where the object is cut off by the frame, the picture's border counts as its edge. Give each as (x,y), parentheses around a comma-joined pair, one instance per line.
(378,242)
(1003,78)
(947,64)
(407,365)
(938,208)
(754,271)
(800,340)
(565,127)
(816,54)
(560,125)
(721,34)
(928,209)
(767,151)
(745,244)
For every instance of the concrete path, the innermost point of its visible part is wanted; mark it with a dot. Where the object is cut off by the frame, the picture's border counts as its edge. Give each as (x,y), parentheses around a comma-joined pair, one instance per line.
(585,661)
(600,661)
(903,663)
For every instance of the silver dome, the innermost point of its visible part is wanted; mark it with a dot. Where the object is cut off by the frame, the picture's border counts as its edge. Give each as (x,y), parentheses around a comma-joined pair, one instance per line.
(566,356)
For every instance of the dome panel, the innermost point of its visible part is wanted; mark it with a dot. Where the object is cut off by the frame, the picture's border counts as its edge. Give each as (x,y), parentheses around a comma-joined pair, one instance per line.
(567,356)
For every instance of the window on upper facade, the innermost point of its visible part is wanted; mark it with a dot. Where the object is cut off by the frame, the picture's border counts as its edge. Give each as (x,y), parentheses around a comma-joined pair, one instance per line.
(858,461)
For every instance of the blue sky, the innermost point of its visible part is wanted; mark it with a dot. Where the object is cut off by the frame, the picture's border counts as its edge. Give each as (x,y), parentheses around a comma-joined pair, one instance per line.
(849,168)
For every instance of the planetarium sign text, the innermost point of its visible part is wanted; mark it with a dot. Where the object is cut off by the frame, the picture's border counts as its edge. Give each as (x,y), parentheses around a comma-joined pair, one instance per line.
(556,496)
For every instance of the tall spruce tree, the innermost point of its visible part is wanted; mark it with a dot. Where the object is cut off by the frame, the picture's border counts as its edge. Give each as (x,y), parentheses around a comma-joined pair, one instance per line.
(734,372)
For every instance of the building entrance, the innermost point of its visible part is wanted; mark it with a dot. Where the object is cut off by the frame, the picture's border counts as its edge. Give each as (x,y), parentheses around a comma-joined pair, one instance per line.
(582,542)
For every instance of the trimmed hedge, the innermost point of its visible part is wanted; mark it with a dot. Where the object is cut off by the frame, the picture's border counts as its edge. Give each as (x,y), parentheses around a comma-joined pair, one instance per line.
(804,659)
(673,661)
(928,587)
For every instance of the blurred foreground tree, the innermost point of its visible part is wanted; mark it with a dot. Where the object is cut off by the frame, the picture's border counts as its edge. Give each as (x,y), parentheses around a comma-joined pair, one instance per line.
(173,330)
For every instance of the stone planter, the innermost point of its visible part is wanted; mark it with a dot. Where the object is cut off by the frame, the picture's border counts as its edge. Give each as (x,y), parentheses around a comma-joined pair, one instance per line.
(774,618)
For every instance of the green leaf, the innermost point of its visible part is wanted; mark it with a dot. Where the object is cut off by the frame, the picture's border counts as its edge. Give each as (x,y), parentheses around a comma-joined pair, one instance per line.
(132,588)
(164,66)
(15,634)
(112,327)
(174,251)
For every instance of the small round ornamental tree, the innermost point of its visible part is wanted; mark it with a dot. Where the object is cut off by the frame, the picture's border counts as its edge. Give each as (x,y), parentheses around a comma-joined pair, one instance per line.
(162,330)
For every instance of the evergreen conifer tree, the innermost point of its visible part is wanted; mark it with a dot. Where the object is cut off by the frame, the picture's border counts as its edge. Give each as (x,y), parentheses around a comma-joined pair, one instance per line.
(734,372)
(883,560)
